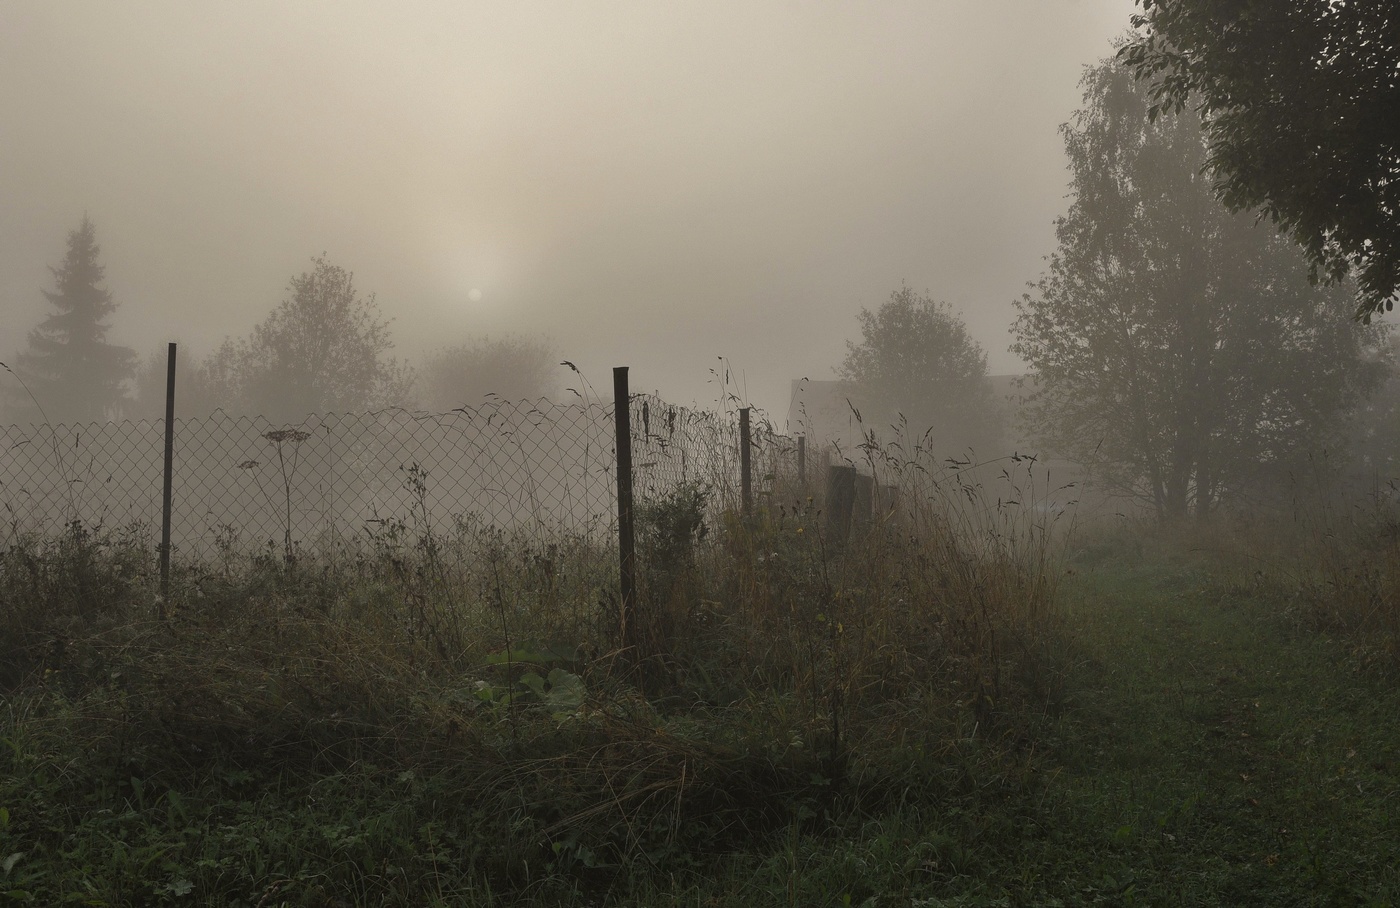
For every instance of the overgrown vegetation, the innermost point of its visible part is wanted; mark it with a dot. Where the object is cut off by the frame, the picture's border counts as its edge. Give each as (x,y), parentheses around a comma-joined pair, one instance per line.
(436,715)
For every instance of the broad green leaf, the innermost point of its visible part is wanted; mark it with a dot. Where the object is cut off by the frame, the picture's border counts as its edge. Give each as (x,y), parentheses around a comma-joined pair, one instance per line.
(534,683)
(566,691)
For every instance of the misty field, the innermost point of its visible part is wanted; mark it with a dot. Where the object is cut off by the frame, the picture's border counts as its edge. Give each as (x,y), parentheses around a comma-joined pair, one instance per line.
(941,712)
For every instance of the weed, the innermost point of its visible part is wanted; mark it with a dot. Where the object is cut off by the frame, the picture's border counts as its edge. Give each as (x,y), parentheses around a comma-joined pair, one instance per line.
(908,717)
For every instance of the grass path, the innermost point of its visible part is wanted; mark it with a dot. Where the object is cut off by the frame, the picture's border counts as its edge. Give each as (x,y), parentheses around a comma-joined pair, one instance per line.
(1211,756)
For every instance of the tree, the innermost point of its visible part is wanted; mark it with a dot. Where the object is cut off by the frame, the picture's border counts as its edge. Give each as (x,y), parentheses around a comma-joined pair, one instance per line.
(323,349)
(201,386)
(1374,429)
(511,368)
(1300,101)
(69,368)
(917,362)
(1177,347)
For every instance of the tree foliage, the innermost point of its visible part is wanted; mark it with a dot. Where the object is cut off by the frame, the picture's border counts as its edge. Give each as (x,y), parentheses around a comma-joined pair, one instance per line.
(324,349)
(917,363)
(1301,104)
(509,368)
(1175,346)
(201,386)
(69,368)
(1374,430)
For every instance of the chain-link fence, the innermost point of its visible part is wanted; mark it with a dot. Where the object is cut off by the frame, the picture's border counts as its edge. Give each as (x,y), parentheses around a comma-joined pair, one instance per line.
(244,483)
(673,447)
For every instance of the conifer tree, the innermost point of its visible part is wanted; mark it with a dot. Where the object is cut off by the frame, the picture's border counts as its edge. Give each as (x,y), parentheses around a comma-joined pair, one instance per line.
(71,371)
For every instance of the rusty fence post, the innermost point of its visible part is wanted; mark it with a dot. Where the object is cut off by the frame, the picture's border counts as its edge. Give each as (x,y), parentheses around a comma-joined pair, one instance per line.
(626,544)
(169,472)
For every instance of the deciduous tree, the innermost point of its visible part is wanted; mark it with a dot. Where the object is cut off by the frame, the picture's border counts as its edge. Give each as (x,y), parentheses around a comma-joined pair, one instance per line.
(1177,347)
(201,385)
(510,368)
(325,348)
(917,364)
(1300,101)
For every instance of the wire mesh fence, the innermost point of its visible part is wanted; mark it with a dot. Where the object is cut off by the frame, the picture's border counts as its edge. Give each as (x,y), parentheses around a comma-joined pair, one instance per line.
(243,484)
(677,446)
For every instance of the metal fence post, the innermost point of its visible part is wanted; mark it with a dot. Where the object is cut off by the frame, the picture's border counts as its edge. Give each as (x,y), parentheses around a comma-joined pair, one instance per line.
(169,470)
(745,463)
(802,462)
(627,555)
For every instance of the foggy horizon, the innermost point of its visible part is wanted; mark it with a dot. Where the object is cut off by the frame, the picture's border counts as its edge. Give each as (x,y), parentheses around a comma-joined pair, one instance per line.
(650,186)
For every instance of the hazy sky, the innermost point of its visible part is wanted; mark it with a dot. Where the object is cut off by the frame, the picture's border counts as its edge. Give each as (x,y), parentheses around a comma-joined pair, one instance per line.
(649,184)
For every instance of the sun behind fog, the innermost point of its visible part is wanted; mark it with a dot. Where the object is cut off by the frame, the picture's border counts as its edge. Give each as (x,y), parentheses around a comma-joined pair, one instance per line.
(474,295)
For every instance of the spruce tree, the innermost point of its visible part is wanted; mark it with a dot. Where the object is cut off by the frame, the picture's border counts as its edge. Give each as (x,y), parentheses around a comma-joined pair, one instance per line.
(69,368)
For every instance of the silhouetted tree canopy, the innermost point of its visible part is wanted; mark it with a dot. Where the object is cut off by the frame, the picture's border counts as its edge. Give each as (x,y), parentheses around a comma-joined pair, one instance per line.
(324,349)
(510,368)
(1300,101)
(916,362)
(1178,348)
(69,368)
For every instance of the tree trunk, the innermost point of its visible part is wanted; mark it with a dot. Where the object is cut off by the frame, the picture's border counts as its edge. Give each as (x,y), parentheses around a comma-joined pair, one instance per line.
(1179,478)
(1205,484)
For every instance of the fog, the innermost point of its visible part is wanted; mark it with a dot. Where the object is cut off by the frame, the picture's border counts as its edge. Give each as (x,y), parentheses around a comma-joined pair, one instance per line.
(652,185)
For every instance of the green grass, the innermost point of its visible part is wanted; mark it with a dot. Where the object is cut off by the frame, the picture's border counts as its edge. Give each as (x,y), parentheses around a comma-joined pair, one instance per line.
(1214,754)
(1176,731)
(1209,752)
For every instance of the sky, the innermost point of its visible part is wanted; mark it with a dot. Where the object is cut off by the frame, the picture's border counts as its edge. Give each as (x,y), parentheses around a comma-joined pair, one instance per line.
(677,187)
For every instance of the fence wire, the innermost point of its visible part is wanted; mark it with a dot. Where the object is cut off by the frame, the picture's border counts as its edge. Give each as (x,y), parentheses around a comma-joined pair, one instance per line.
(243,484)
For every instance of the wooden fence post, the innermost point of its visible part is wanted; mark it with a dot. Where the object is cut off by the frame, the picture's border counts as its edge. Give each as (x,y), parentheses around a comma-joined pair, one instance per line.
(840,501)
(863,504)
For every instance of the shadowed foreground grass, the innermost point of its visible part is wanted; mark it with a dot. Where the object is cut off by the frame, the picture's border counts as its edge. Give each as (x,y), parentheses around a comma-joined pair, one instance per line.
(1215,753)
(916,726)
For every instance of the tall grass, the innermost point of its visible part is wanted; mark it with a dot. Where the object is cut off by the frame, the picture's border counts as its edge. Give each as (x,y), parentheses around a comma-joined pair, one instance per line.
(1350,585)
(442,710)
(1323,552)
